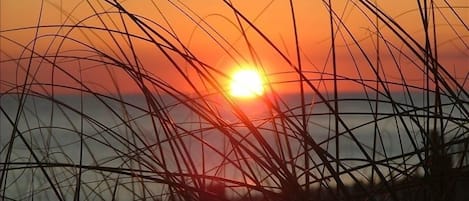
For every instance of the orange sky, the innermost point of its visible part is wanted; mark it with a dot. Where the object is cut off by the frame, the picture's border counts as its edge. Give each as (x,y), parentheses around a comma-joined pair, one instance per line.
(210,31)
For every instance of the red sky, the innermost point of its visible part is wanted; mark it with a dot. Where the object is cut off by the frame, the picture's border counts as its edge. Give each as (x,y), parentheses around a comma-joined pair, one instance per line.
(212,33)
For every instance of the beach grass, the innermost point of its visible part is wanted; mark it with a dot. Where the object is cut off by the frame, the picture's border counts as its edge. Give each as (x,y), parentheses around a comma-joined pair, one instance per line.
(359,123)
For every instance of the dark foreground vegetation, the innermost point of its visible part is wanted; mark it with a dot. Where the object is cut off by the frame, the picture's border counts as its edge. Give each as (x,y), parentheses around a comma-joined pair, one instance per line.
(70,130)
(442,182)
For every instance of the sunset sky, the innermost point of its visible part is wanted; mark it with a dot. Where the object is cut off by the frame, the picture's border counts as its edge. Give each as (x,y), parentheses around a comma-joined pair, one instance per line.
(212,32)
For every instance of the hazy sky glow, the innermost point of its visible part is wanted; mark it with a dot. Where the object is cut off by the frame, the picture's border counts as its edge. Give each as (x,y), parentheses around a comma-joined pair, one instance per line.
(211,40)
(139,99)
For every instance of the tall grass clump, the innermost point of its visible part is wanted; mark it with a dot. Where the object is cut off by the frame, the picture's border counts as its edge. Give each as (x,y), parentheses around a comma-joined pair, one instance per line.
(129,100)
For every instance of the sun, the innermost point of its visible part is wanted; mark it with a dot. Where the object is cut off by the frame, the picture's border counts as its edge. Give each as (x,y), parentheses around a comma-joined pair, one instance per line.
(247,83)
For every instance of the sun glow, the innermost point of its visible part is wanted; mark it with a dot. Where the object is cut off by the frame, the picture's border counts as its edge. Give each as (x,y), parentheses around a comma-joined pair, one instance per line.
(247,83)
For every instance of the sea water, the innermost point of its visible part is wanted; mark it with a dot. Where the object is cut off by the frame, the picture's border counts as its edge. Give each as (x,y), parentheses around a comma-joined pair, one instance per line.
(112,134)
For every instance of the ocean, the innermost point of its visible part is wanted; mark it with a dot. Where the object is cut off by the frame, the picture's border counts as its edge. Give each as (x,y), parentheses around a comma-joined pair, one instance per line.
(123,141)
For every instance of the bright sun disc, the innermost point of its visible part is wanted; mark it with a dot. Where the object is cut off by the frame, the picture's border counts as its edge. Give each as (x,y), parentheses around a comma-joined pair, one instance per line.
(247,83)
